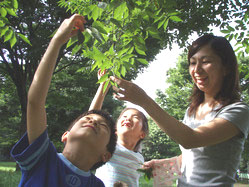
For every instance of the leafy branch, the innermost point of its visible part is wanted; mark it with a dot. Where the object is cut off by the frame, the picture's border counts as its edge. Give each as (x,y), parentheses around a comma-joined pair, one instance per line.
(115,38)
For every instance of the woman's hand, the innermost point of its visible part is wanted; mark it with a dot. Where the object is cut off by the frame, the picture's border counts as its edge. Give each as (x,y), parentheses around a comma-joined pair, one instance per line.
(129,91)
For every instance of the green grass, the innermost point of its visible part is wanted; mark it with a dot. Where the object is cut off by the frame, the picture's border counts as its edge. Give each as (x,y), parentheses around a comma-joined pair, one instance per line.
(144,183)
(8,174)
(9,177)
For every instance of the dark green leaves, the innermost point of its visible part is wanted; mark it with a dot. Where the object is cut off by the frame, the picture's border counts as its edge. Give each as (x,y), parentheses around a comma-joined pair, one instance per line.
(9,7)
(81,37)
(147,173)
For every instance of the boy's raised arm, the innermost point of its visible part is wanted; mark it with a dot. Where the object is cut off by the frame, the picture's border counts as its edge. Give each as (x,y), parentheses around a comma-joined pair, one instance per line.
(36,114)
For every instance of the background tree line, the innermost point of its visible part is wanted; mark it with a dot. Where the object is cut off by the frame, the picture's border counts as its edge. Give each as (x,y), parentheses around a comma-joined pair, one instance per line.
(74,83)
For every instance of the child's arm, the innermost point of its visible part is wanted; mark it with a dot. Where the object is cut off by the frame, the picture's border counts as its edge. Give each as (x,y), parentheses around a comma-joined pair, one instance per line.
(99,97)
(36,114)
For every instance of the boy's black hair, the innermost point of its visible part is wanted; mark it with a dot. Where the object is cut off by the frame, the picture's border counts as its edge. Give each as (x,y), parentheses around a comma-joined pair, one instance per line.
(113,137)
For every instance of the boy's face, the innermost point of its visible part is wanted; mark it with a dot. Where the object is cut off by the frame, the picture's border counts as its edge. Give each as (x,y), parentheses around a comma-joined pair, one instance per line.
(91,131)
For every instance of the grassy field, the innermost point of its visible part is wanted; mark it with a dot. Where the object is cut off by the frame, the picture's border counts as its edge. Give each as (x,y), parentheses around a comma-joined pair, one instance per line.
(10,178)
(8,175)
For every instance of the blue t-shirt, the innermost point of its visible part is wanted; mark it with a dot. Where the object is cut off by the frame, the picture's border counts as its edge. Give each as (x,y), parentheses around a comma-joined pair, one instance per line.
(42,166)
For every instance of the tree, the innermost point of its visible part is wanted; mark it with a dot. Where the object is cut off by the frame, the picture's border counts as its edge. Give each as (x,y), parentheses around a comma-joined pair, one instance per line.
(244,82)
(37,19)
(158,145)
(9,8)
(238,30)
(118,30)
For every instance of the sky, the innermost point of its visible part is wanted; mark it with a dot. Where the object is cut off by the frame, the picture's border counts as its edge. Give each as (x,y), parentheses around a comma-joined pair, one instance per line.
(154,77)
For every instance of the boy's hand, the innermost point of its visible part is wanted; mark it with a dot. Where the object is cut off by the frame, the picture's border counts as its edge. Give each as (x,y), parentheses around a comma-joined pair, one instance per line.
(69,28)
(101,73)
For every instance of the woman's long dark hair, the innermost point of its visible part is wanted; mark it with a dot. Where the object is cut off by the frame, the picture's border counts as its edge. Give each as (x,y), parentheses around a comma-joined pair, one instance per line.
(230,91)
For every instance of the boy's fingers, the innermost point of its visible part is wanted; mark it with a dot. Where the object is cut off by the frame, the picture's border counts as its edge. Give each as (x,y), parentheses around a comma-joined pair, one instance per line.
(79,21)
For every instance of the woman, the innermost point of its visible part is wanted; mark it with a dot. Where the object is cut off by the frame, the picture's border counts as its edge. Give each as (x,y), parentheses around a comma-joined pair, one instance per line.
(131,129)
(216,123)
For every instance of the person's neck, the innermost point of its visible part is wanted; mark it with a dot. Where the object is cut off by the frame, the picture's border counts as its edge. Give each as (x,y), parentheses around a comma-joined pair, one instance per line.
(210,101)
(127,144)
(79,157)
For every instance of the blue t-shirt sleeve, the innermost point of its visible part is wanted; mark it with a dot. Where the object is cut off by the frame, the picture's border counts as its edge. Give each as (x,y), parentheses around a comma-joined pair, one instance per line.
(28,155)
(238,114)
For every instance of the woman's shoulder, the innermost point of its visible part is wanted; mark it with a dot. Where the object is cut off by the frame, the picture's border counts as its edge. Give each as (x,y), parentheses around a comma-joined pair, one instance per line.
(238,104)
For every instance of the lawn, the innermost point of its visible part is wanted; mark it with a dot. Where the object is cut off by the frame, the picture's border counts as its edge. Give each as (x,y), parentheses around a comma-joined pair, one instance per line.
(8,175)
(10,178)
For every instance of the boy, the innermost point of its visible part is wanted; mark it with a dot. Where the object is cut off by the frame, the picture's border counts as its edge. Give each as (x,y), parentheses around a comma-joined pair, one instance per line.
(90,142)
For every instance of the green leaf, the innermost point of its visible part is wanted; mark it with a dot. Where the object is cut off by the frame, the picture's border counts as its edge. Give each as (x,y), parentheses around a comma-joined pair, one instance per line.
(147,173)
(76,49)
(121,52)
(13,40)
(98,55)
(4,30)
(175,18)
(95,65)
(8,35)
(123,71)
(81,37)
(3,12)
(96,34)
(15,4)
(153,32)
(231,29)
(166,24)
(139,51)
(11,12)
(71,41)
(159,18)
(127,57)
(161,22)
(2,24)
(119,11)
(100,27)
(130,51)
(106,85)
(140,43)
(225,31)
(116,22)
(143,61)
(111,50)
(103,78)
(96,12)
(24,38)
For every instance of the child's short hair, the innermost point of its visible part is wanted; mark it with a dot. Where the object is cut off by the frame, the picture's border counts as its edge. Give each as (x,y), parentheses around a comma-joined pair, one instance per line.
(113,137)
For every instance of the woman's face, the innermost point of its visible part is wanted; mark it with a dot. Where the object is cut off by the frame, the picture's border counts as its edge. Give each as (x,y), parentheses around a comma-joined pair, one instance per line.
(207,71)
(130,124)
